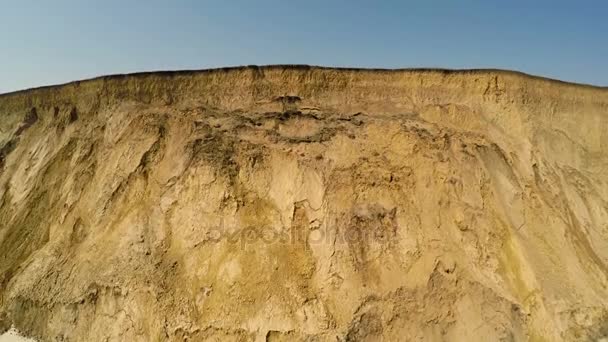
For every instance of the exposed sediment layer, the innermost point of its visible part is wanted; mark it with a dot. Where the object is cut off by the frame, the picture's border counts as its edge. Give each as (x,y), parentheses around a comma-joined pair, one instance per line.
(293,202)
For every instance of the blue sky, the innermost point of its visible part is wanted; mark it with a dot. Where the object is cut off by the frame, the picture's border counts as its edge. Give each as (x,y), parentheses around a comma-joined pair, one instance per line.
(48,42)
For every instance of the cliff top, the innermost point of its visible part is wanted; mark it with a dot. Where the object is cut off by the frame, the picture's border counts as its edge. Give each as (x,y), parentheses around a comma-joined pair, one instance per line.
(303,67)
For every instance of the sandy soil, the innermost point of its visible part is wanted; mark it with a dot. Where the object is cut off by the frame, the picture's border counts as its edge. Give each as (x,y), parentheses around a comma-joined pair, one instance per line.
(13,336)
(296,203)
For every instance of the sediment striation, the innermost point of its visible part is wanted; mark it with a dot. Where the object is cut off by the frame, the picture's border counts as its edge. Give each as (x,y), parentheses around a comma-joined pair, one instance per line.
(305,203)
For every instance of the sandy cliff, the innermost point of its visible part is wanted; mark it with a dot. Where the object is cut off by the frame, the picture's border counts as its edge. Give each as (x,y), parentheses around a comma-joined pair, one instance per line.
(305,203)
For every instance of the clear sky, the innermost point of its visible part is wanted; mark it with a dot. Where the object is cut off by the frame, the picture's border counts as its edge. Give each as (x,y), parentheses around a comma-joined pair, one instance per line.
(55,41)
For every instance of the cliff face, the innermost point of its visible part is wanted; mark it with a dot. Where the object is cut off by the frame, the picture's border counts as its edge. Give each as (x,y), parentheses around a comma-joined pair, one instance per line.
(283,203)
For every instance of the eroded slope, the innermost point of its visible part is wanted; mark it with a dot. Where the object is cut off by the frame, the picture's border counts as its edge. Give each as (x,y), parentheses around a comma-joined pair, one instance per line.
(284,203)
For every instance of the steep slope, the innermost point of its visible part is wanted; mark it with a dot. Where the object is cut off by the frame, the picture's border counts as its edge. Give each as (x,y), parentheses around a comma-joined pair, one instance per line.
(293,203)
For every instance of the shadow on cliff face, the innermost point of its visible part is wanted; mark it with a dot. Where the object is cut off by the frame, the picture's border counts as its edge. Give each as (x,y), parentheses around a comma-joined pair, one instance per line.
(30,118)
